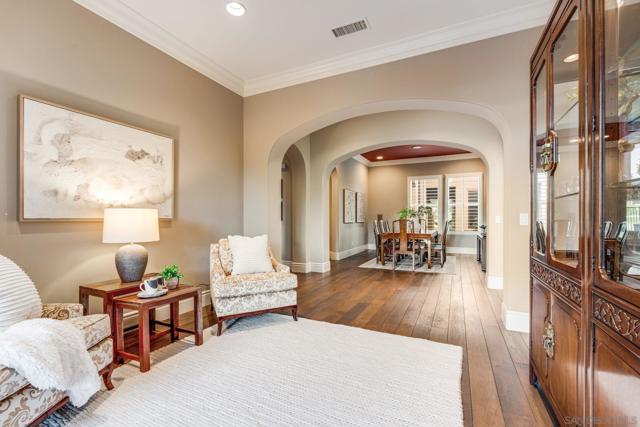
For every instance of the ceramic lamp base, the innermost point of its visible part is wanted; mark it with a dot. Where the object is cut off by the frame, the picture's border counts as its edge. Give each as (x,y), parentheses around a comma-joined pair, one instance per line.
(131,262)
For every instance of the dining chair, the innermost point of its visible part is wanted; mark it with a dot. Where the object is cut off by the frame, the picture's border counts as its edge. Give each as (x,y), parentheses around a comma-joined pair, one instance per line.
(406,244)
(386,251)
(606,229)
(439,250)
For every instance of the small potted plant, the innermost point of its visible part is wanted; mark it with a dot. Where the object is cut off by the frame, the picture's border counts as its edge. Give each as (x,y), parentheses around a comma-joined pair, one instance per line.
(172,276)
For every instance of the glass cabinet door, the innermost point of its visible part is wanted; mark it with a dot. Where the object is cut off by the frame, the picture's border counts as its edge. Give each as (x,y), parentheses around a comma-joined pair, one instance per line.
(620,143)
(565,137)
(539,178)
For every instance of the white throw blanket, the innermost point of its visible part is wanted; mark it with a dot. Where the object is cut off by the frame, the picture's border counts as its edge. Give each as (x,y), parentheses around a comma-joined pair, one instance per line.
(51,354)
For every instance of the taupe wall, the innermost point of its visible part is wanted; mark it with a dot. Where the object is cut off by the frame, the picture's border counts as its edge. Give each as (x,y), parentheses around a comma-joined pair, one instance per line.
(388,190)
(351,175)
(59,51)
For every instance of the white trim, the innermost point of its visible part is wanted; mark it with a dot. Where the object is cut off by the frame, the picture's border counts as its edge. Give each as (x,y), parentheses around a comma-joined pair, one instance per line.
(320,267)
(118,13)
(515,19)
(337,256)
(515,320)
(371,246)
(507,21)
(363,160)
(495,282)
(460,250)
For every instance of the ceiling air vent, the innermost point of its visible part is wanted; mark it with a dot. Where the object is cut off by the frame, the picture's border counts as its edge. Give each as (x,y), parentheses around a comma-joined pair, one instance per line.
(354,27)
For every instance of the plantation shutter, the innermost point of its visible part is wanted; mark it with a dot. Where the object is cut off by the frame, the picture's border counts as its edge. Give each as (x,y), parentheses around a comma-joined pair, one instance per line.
(425,191)
(463,202)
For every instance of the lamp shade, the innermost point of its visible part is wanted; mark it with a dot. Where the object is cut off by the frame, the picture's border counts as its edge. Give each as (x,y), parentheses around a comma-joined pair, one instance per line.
(130,225)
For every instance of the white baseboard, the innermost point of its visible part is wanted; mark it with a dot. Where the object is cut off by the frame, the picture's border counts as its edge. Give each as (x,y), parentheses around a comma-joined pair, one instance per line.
(371,246)
(460,250)
(163,312)
(319,267)
(494,282)
(517,321)
(306,267)
(337,256)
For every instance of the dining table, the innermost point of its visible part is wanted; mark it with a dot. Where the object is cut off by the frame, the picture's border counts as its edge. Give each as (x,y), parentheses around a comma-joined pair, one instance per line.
(394,235)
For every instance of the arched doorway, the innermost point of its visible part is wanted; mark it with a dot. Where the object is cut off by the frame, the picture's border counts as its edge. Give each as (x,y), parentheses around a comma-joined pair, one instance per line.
(344,139)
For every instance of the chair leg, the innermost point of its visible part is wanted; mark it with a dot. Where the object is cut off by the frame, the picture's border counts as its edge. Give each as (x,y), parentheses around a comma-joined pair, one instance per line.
(219,328)
(294,313)
(106,377)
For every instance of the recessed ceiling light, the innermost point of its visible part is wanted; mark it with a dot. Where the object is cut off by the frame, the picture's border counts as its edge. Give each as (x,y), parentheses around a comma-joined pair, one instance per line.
(571,58)
(417,147)
(380,157)
(236,9)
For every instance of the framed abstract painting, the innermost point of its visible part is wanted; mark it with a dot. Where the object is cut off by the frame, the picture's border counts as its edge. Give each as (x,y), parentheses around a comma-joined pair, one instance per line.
(74,164)
(349,206)
(359,207)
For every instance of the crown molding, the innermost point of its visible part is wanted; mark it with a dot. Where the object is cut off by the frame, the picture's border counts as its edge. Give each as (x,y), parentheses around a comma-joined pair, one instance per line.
(415,160)
(532,15)
(133,22)
(508,21)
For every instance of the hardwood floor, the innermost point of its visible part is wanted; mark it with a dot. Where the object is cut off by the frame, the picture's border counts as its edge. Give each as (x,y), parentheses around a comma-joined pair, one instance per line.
(456,309)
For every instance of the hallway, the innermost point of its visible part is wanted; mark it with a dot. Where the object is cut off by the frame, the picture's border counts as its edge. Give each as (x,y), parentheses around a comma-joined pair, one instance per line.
(456,309)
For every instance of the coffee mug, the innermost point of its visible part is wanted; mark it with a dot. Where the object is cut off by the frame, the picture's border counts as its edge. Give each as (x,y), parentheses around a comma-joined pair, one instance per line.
(152,285)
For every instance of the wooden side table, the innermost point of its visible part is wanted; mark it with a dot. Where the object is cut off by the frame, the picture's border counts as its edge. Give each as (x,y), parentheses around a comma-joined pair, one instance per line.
(108,290)
(146,305)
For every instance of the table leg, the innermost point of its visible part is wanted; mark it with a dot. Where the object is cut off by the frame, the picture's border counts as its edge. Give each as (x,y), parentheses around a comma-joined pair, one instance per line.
(83,298)
(144,340)
(118,334)
(430,264)
(381,249)
(175,320)
(197,313)
(152,321)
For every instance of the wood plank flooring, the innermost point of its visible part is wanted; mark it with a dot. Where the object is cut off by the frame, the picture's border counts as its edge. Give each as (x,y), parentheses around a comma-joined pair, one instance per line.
(456,309)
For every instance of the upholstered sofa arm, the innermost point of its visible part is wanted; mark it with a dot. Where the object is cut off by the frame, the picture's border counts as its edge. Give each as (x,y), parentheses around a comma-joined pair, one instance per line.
(216,271)
(62,311)
(281,268)
(278,267)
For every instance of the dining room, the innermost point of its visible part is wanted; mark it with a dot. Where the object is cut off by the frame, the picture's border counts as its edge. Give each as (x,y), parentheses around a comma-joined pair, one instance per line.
(414,207)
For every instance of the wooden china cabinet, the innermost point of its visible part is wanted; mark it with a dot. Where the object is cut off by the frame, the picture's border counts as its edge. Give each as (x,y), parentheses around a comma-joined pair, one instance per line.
(585,209)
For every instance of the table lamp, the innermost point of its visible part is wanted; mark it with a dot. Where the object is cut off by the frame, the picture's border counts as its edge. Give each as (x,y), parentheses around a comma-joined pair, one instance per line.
(130,225)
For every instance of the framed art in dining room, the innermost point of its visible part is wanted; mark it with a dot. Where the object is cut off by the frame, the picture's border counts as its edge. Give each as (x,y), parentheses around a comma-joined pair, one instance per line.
(74,164)
(359,207)
(348,206)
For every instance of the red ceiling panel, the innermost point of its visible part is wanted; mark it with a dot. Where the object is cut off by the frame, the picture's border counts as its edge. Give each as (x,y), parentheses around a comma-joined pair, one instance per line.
(409,152)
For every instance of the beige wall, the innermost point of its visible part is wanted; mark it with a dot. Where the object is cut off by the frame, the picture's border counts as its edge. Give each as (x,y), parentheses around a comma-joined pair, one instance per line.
(61,52)
(351,175)
(488,79)
(388,191)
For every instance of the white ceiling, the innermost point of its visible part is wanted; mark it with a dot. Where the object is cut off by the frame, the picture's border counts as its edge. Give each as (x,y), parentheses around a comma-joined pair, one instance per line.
(278,43)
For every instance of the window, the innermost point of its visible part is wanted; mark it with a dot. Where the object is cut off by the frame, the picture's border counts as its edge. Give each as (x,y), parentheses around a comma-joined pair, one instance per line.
(425,191)
(464,202)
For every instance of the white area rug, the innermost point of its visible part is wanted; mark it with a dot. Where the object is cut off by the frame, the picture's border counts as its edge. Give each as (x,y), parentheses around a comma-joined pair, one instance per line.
(405,265)
(272,371)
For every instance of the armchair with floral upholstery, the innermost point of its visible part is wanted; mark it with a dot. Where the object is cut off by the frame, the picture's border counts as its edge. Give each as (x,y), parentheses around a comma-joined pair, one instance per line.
(21,404)
(235,296)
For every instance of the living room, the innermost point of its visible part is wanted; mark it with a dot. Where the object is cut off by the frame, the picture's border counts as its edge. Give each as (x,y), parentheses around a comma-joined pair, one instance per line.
(433,205)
